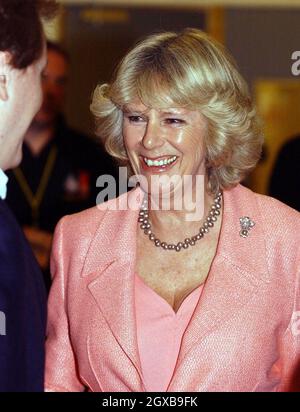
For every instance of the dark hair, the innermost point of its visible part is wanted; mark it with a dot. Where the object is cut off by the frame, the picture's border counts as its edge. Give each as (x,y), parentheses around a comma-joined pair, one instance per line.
(56,47)
(21,32)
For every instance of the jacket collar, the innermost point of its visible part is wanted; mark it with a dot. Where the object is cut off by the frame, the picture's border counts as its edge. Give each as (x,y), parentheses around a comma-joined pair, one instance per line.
(115,237)
(110,262)
(237,272)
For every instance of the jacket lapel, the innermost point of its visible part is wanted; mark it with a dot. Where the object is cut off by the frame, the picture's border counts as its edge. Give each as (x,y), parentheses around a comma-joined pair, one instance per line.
(110,263)
(237,271)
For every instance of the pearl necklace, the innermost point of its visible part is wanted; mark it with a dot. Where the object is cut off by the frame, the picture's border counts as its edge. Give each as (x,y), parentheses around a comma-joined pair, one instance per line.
(209,222)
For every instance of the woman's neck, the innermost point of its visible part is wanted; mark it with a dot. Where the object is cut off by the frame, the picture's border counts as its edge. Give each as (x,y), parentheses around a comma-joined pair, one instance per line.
(184,222)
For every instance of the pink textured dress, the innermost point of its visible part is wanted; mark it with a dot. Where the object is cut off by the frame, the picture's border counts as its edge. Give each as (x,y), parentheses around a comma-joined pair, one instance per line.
(159,333)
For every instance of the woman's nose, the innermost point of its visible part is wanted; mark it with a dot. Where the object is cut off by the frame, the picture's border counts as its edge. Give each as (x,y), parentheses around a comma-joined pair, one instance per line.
(152,137)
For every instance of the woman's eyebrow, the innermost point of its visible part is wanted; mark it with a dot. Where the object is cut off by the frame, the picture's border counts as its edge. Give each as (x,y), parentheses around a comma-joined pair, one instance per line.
(173,111)
(128,109)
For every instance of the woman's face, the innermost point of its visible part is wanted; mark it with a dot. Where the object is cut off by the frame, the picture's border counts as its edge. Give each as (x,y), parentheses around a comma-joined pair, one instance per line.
(167,142)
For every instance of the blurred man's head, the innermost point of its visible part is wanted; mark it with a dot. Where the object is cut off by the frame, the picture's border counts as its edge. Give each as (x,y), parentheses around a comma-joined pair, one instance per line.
(54,82)
(22,61)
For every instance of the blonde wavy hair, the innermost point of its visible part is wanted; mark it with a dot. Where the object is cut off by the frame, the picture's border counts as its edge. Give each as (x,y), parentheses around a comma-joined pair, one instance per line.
(191,70)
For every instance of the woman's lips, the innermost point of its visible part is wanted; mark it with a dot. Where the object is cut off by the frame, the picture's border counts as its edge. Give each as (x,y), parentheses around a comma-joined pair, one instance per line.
(159,168)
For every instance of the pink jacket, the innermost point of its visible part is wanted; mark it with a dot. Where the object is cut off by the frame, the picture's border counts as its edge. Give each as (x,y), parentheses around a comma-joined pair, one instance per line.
(243,336)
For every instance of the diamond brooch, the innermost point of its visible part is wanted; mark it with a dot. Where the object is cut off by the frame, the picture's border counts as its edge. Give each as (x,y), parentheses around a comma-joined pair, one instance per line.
(246,225)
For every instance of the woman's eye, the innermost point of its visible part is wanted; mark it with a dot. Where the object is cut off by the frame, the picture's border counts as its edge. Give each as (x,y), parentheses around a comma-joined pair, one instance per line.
(135,119)
(174,121)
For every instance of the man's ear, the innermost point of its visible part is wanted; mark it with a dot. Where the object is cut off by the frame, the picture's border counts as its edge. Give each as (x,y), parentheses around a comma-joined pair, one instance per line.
(3,88)
(4,70)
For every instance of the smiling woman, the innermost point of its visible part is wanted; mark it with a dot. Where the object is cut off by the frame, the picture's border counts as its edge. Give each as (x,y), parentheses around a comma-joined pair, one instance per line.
(188,71)
(147,299)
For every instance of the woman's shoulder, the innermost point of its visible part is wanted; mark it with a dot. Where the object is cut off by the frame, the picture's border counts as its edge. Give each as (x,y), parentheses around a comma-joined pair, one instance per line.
(75,234)
(276,216)
(276,230)
(276,211)
(87,221)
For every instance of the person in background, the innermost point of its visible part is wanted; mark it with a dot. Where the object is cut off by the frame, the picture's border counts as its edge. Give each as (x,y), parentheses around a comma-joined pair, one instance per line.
(60,166)
(284,182)
(22,292)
